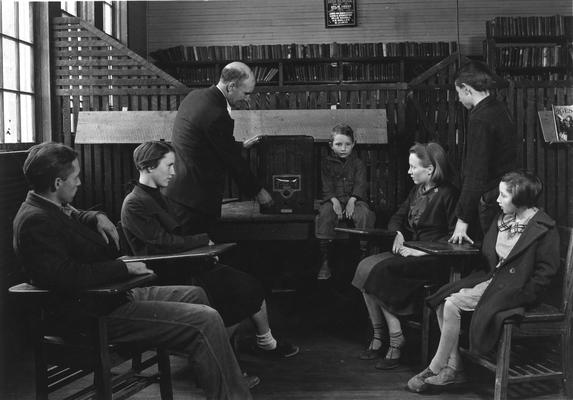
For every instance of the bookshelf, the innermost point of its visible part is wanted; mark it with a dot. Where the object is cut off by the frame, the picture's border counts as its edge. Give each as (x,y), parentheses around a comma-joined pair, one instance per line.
(300,64)
(530,48)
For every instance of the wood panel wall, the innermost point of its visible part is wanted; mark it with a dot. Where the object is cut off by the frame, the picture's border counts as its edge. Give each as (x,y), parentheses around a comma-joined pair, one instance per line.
(301,21)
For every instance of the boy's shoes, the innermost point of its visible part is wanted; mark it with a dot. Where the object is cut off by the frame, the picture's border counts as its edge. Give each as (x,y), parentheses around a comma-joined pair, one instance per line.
(447,376)
(324,273)
(283,350)
(418,383)
(251,380)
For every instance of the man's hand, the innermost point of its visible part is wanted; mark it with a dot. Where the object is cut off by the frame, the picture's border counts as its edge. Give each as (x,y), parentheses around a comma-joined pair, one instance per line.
(137,268)
(350,207)
(337,207)
(460,233)
(264,198)
(247,144)
(107,229)
(398,243)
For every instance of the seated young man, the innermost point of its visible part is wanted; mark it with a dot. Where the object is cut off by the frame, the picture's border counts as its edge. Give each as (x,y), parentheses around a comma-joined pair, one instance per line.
(68,250)
(150,228)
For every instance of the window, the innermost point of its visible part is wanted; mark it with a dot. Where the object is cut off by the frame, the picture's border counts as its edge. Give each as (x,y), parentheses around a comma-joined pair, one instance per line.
(108,18)
(17,121)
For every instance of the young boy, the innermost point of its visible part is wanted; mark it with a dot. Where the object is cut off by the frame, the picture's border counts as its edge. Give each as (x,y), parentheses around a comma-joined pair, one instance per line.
(344,187)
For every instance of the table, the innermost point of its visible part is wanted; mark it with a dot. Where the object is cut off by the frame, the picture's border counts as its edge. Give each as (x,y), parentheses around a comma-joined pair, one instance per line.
(459,251)
(365,235)
(243,220)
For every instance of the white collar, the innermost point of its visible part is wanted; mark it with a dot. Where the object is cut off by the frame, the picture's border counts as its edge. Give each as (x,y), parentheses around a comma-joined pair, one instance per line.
(227,101)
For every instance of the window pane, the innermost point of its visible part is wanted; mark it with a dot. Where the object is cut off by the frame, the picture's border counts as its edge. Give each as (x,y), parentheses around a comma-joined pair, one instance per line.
(8,18)
(9,63)
(70,6)
(107,19)
(26,68)
(24,25)
(27,118)
(10,118)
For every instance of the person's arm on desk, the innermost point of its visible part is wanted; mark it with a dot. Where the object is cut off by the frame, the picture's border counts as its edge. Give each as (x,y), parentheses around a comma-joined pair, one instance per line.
(137,268)
(399,248)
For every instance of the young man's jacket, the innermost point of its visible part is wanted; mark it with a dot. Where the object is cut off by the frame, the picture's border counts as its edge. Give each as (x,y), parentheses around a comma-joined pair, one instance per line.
(517,283)
(151,229)
(343,179)
(205,152)
(490,151)
(61,252)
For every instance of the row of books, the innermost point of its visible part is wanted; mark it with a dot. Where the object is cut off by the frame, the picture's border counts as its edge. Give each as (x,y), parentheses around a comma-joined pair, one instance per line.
(529,27)
(531,56)
(537,77)
(311,72)
(303,51)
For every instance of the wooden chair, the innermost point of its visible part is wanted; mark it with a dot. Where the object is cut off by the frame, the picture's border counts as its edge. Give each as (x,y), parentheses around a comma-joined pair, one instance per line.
(514,363)
(63,354)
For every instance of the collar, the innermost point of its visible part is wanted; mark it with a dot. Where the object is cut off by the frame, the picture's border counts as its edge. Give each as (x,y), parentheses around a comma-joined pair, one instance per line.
(483,103)
(67,209)
(226,101)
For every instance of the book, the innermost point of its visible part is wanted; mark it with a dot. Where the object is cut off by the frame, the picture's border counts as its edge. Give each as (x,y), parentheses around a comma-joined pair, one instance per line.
(563,116)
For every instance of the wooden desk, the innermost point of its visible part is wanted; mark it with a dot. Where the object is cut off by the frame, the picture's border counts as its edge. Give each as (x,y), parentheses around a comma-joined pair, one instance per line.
(366,235)
(243,221)
(459,251)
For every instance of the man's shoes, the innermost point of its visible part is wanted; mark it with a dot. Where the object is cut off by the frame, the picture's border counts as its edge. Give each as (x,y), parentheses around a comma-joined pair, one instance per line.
(387,363)
(418,383)
(251,380)
(447,376)
(283,350)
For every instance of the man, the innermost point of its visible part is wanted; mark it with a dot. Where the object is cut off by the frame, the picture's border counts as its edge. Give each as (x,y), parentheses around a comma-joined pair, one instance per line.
(68,250)
(206,150)
(490,150)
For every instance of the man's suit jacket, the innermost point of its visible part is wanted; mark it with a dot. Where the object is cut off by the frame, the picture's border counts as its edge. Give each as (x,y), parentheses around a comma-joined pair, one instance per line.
(205,150)
(63,252)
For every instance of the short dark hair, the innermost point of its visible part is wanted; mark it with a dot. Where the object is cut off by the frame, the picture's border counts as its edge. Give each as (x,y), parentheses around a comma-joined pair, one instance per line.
(475,74)
(46,162)
(149,154)
(524,186)
(432,153)
(342,129)
(230,74)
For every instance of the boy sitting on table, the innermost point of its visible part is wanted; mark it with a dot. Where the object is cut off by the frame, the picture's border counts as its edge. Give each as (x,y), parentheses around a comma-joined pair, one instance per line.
(150,228)
(344,186)
(67,251)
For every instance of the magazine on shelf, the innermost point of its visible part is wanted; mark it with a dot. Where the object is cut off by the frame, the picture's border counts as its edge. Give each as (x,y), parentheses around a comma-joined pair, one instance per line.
(563,116)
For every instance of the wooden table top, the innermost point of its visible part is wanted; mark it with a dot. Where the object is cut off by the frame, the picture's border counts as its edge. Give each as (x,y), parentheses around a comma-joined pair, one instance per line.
(249,211)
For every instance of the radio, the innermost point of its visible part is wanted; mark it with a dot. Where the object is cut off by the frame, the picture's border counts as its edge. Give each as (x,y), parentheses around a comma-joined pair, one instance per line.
(286,165)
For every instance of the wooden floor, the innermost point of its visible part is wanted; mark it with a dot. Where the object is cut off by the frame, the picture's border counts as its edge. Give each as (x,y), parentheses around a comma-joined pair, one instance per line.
(331,329)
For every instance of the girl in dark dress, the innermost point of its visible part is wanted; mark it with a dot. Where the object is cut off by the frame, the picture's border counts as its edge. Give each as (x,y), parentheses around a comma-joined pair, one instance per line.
(389,280)
(151,228)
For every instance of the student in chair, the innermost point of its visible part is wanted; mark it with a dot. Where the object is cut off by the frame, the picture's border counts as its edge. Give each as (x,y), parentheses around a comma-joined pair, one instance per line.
(521,256)
(389,281)
(344,186)
(67,250)
(151,228)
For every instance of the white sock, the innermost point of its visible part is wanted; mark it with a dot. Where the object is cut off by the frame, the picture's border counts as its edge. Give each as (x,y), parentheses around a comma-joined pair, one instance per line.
(266,341)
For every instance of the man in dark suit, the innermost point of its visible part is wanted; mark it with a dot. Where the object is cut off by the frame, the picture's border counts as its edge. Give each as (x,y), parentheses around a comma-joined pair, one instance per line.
(67,250)
(206,150)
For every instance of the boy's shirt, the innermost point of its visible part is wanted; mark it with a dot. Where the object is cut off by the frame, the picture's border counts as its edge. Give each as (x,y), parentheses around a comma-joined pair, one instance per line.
(343,178)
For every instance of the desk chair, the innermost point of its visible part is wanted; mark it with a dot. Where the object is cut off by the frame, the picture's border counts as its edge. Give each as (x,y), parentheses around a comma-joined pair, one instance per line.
(515,364)
(64,354)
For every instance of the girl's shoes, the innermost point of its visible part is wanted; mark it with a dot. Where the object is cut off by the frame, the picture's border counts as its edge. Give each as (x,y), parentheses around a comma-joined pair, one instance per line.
(392,359)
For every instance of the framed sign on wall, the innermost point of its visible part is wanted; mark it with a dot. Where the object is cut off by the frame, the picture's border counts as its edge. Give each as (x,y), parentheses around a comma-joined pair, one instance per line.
(339,13)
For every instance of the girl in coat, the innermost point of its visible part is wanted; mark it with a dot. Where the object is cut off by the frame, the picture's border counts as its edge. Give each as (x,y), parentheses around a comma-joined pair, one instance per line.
(390,280)
(521,253)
